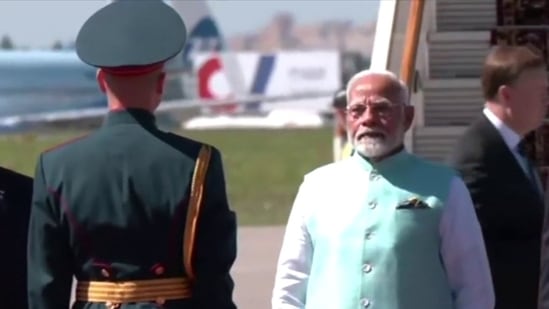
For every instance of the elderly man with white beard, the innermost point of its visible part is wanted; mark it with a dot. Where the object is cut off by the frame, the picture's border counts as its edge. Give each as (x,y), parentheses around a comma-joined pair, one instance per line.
(382,229)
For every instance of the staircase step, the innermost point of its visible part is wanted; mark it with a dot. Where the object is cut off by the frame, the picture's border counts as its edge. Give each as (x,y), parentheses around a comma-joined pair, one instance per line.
(457,54)
(463,15)
(436,143)
(451,102)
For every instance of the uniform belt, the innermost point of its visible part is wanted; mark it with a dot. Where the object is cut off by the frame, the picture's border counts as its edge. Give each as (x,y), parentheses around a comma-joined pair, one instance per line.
(154,290)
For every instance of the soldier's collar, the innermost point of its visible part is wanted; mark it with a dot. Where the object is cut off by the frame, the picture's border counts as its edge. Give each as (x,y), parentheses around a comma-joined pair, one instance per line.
(130,116)
(394,162)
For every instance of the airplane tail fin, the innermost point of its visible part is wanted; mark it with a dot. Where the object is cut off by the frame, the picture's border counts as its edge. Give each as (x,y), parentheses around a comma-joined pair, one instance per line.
(203,34)
(205,37)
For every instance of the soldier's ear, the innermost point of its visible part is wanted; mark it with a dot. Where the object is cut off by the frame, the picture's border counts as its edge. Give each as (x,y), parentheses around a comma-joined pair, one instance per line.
(160,83)
(100,76)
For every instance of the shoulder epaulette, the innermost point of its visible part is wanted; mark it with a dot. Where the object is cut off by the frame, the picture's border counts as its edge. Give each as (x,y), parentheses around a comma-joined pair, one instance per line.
(65,143)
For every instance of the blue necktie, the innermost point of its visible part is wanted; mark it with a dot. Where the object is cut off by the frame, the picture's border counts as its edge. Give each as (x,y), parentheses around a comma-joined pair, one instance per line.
(530,168)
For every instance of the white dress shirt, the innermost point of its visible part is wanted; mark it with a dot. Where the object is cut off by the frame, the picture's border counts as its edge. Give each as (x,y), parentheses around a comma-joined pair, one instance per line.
(462,251)
(512,139)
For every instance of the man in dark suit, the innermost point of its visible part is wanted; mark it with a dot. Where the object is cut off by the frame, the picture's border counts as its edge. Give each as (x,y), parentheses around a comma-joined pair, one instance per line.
(139,216)
(505,188)
(544,272)
(15,201)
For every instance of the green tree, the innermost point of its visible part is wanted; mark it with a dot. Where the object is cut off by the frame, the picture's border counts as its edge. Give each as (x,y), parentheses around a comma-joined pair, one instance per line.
(6,43)
(57,45)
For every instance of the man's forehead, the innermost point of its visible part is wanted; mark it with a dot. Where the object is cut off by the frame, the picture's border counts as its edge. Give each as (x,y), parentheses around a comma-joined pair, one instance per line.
(374,85)
(360,98)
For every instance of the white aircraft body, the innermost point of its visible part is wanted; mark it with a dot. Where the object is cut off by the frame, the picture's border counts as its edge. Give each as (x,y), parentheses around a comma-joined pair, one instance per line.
(49,87)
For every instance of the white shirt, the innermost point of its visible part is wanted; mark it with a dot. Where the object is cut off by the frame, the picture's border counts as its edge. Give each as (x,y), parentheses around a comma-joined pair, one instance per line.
(462,251)
(512,139)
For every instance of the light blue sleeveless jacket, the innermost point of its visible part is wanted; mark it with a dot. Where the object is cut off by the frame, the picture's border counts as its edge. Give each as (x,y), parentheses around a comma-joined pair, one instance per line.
(368,251)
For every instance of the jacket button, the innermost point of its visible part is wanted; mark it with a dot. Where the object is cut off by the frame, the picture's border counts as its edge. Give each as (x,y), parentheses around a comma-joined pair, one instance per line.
(105,273)
(159,270)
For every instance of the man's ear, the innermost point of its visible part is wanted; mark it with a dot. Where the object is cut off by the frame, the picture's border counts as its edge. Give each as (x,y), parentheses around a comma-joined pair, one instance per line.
(504,94)
(409,112)
(160,82)
(100,76)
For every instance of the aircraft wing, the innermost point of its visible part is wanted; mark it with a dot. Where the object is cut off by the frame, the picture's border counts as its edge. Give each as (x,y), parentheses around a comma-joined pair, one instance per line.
(175,105)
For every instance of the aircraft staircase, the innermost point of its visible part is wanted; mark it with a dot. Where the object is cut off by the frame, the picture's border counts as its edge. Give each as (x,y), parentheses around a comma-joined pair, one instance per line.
(456,36)
(452,96)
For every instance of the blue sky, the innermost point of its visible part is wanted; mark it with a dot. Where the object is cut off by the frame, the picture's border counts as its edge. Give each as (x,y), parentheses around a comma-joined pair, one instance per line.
(38,23)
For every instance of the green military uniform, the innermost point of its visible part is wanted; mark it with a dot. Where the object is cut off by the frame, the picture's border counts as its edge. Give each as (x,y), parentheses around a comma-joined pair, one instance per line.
(342,147)
(138,216)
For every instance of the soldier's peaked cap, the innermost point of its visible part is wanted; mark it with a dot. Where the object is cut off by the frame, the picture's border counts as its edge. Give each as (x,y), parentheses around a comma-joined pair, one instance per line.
(131,37)
(340,99)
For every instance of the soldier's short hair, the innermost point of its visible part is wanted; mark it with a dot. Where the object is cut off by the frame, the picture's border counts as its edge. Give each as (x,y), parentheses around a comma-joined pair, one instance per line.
(340,99)
(505,64)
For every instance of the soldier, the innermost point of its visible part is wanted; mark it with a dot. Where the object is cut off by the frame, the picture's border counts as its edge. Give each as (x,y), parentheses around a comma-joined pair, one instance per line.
(15,201)
(342,147)
(139,216)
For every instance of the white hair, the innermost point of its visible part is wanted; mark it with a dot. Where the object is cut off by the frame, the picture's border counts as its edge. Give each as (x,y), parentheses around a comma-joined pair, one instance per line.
(392,76)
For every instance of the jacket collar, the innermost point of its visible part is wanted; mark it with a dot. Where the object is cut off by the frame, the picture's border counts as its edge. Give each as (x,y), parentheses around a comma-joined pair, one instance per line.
(130,116)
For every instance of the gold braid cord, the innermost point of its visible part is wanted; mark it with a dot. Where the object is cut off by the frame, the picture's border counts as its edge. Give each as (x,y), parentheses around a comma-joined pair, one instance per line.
(193,211)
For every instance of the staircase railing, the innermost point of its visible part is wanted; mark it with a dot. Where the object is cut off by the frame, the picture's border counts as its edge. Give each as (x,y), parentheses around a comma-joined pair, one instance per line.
(408,62)
(413,30)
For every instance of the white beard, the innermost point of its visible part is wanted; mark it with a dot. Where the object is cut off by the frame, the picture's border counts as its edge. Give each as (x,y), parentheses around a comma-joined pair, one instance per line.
(375,147)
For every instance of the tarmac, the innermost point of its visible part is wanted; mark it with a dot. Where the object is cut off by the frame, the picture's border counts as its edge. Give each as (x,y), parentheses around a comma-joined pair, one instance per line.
(255,266)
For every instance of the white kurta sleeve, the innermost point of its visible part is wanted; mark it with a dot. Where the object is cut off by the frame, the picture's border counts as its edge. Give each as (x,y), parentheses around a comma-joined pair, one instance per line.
(337,148)
(463,251)
(295,257)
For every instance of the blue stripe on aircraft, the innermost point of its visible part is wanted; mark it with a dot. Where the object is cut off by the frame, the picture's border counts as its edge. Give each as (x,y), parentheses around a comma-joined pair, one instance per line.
(261,79)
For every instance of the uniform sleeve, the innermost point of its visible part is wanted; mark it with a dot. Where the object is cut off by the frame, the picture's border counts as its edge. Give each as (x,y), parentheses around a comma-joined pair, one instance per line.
(49,260)
(215,250)
(463,252)
(294,262)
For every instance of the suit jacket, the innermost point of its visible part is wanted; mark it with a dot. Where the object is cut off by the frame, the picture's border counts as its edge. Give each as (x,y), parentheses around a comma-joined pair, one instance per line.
(111,207)
(544,272)
(15,201)
(509,209)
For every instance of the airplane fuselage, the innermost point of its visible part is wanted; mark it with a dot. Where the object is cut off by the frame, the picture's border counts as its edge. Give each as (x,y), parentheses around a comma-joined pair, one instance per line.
(46,81)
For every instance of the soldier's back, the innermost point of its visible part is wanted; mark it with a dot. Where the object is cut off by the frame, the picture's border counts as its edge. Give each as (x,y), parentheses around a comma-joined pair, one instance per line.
(118,200)
(126,187)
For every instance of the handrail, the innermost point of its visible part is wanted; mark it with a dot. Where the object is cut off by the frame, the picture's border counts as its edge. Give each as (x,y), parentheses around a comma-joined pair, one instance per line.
(521,27)
(385,28)
(413,30)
